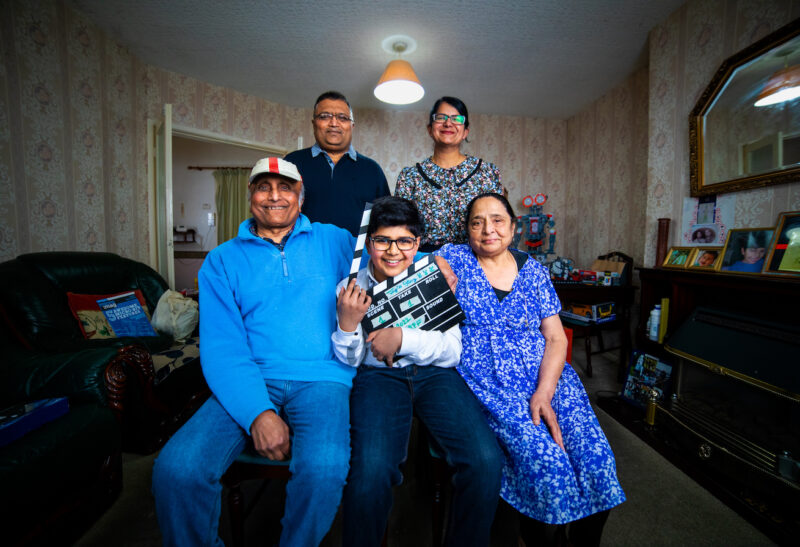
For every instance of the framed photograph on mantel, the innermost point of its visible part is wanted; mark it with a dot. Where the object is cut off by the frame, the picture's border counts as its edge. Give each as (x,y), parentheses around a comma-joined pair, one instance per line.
(705,258)
(784,252)
(678,257)
(745,250)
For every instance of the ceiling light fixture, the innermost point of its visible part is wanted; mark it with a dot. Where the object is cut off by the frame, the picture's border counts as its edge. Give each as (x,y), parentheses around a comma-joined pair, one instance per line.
(782,86)
(399,83)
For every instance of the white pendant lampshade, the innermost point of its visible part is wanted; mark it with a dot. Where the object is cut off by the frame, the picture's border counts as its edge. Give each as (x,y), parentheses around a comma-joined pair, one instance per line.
(399,84)
(783,86)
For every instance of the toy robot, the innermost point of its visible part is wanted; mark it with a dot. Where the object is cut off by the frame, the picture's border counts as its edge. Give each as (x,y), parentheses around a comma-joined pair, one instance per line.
(534,227)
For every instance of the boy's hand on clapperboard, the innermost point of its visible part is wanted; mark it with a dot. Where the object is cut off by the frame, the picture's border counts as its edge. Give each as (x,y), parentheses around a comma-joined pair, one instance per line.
(386,343)
(351,306)
(447,272)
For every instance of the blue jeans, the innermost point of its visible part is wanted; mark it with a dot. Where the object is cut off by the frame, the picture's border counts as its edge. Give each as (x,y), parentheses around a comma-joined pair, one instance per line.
(382,404)
(186,475)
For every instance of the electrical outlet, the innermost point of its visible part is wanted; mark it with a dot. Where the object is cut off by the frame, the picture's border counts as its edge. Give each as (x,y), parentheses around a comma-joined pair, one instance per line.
(212,219)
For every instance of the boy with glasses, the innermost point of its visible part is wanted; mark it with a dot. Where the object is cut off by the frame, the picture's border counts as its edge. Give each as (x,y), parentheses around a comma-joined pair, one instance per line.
(338,180)
(405,372)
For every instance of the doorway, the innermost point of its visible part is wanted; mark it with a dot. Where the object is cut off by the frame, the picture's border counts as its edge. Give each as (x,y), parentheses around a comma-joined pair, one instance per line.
(167,214)
(194,212)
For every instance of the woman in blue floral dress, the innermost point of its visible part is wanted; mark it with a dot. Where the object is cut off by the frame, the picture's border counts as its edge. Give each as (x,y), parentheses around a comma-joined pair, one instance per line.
(559,466)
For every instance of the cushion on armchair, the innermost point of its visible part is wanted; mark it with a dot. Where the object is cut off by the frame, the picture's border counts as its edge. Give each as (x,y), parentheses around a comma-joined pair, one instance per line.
(91,319)
(35,301)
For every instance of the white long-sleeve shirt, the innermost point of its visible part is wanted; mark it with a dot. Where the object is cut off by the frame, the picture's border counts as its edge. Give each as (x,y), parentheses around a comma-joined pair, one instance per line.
(419,347)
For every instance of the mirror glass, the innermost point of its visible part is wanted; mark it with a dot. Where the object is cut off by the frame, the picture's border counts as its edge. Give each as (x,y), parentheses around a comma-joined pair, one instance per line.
(735,144)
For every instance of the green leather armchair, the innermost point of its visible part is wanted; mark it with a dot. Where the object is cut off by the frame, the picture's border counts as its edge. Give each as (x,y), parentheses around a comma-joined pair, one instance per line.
(58,478)
(35,313)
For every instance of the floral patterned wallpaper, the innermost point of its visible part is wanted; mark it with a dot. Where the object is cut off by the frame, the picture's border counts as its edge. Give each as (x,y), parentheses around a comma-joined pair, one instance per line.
(607,174)
(685,52)
(74,107)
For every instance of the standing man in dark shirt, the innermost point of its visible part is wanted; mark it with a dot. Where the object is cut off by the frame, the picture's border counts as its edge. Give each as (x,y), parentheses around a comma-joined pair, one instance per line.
(337,179)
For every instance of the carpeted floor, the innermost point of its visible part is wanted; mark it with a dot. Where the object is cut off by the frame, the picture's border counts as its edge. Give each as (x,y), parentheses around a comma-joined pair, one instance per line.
(664,506)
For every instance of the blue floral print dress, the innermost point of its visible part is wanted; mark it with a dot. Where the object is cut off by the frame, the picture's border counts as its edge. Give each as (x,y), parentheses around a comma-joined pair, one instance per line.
(503,349)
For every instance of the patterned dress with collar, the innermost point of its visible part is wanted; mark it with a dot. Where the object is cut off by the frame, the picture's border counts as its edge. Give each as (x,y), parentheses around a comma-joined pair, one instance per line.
(442,195)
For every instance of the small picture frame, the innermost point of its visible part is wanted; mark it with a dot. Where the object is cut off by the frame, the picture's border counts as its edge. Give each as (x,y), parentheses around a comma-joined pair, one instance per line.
(784,252)
(745,250)
(705,258)
(677,257)
(648,376)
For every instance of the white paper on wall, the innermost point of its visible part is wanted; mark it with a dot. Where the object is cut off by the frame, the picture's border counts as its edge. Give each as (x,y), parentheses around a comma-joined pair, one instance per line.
(707,223)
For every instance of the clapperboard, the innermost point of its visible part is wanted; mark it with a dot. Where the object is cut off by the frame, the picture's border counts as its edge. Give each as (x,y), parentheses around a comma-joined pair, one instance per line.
(418,298)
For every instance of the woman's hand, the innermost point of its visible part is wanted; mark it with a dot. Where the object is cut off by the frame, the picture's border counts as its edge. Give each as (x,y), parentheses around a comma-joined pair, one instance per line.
(351,306)
(386,343)
(447,271)
(542,410)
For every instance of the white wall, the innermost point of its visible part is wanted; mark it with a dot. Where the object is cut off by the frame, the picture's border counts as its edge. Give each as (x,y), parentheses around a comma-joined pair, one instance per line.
(193,195)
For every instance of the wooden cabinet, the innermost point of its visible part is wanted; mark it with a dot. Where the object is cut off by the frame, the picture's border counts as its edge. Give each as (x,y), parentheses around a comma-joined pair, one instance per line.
(732,432)
(768,297)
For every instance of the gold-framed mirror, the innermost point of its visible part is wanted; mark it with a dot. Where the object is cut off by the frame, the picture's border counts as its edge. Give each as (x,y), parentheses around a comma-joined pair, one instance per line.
(735,145)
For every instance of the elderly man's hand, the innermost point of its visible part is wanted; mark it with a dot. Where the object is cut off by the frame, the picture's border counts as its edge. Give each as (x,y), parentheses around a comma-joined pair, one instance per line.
(271,436)
(351,306)
(386,343)
(447,271)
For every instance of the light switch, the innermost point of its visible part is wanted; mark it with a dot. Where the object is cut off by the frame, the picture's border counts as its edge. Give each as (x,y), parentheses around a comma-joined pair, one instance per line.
(212,219)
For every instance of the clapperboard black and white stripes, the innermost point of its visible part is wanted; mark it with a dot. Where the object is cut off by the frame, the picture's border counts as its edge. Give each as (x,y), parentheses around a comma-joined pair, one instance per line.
(360,242)
(418,298)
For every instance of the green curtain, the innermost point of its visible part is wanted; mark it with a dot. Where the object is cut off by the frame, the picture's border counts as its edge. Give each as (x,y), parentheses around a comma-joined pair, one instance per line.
(232,204)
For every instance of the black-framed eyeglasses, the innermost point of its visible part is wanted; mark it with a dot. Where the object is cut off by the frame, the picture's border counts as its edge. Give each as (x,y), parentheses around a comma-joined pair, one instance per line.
(383,243)
(457,119)
(327,116)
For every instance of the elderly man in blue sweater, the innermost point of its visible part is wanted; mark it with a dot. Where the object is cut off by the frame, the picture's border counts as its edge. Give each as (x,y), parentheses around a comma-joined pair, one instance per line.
(267,311)
(338,180)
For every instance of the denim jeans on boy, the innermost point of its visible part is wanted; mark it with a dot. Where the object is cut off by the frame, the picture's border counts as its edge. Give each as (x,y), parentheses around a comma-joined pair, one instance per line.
(382,404)
(187,472)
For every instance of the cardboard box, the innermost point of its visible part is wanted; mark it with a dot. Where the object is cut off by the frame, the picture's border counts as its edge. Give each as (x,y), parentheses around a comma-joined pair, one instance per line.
(603,311)
(611,266)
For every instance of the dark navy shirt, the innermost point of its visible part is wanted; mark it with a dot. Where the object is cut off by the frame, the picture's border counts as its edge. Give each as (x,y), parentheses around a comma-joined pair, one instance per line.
(338,196)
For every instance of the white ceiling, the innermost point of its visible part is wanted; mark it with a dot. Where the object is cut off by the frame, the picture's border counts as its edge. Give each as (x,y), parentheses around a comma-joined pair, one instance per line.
(539,58)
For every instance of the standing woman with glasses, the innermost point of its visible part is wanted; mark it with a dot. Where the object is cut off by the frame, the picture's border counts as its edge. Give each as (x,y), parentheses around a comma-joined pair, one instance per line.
(444,184)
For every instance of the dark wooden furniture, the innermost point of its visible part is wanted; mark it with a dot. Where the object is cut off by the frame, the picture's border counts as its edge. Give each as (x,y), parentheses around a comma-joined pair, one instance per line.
(760,295)
(622,296)
(732,421)
(249,466)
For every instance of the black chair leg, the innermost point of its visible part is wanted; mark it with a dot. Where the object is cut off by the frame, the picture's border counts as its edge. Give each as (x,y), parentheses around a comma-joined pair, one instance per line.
(236,510)
(587,340)
(440,474)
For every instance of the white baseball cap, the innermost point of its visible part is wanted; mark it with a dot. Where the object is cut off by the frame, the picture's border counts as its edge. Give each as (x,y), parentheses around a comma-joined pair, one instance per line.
(276,166)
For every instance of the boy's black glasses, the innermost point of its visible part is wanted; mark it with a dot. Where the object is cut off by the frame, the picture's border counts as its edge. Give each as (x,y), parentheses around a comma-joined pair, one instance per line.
(383,243)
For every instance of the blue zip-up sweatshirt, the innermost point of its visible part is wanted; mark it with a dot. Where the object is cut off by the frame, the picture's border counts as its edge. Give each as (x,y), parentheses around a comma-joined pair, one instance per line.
(267,314)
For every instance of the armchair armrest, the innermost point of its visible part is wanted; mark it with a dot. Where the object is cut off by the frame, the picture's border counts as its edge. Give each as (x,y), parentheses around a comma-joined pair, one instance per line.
(31,375)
